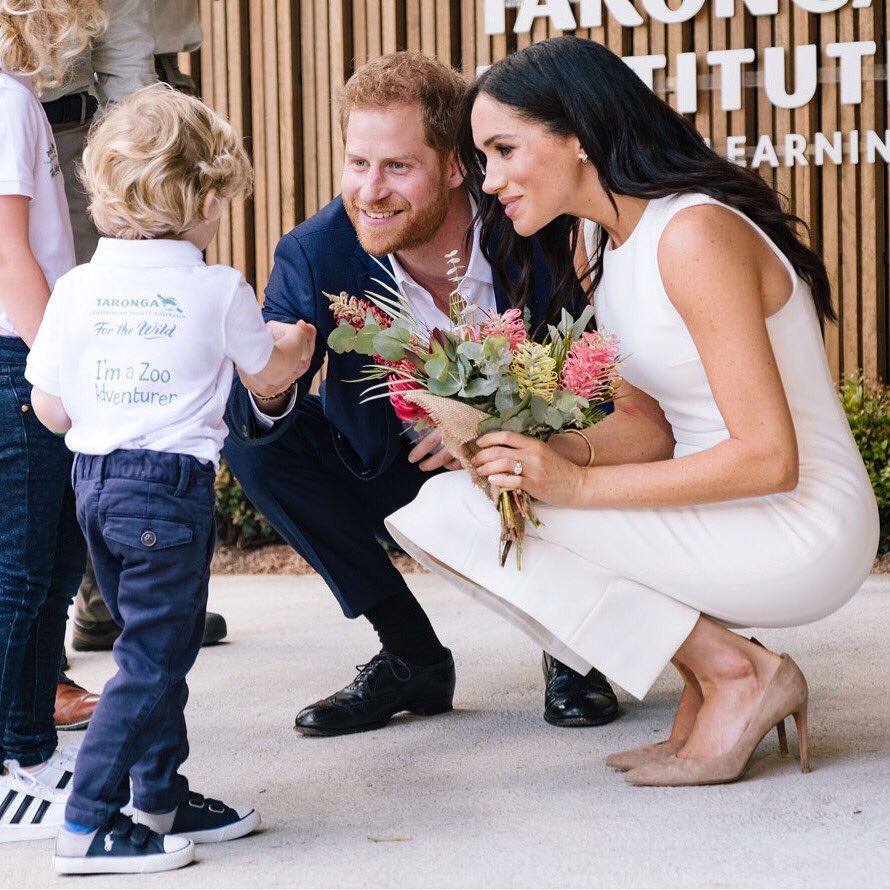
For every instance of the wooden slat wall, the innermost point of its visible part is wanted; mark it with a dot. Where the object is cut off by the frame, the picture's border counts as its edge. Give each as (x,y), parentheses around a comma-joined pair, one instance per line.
(275,68)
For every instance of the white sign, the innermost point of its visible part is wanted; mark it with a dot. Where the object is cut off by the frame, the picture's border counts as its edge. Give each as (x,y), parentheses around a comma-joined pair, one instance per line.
(728,71)
(590,12)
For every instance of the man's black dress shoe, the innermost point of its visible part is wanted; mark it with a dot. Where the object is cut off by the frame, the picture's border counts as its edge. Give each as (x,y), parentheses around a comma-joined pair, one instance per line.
(383,687)
(573,700)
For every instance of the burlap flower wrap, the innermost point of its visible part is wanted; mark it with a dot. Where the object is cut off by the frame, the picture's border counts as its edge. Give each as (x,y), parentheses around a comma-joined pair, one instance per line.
(459,426)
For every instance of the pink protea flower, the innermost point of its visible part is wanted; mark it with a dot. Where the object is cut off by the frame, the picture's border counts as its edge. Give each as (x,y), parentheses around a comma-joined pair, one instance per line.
(354,310)
(405,410)
(591,367)
(508,324)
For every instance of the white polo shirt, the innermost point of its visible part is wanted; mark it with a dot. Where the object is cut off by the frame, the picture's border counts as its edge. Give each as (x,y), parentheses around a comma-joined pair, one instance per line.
(139,345)
(29,166)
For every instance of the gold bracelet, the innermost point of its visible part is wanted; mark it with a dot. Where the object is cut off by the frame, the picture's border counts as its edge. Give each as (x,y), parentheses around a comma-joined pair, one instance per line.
(591,455)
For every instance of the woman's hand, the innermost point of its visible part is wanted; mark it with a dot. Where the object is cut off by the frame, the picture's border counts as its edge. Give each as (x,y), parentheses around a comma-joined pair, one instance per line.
(546,474)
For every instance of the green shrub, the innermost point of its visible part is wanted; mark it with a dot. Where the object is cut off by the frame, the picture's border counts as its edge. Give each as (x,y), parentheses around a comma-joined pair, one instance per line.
(867,406)
(238,522)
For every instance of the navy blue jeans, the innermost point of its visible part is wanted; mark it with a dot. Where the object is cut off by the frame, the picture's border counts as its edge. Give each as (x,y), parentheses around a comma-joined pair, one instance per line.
(148,518)
(41,564)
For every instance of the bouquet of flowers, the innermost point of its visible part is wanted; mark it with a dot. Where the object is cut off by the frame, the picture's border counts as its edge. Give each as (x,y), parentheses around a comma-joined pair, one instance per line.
(485,373)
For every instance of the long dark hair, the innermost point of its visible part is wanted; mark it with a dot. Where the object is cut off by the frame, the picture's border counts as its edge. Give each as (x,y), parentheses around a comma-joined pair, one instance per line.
(638,145)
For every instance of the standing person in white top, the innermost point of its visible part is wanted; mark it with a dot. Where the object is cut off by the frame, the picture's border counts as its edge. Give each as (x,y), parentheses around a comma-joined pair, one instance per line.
(134,362)
(726,488)
(41,547)
(326,470)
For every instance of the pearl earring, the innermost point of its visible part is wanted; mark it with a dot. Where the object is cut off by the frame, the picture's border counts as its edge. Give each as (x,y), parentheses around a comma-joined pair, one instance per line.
(582,156)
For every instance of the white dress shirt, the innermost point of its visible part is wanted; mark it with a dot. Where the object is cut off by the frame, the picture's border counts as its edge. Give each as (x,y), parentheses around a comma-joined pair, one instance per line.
(476,288)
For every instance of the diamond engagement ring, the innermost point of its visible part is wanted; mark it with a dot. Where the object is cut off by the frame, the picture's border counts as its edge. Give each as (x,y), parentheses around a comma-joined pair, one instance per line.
(517,468)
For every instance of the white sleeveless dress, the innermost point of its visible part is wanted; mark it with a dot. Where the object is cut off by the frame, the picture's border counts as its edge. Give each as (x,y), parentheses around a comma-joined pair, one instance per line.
(620,589)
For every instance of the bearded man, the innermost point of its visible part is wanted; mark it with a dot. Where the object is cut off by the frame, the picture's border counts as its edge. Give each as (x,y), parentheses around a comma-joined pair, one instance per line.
(326,470)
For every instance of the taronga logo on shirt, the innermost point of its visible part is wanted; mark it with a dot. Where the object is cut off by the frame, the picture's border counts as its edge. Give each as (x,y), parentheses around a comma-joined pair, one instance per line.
(168,304)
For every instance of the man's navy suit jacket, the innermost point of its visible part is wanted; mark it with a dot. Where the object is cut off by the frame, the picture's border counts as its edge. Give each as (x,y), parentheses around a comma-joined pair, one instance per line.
(323,254)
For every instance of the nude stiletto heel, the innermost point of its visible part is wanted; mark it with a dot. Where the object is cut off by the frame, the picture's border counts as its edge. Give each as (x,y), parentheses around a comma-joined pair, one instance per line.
(780,726)
(783,736)
(624,761)
(785,695)
(800,723)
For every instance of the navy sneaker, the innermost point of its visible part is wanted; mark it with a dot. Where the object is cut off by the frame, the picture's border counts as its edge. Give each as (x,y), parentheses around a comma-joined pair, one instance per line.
(202,820)
(120,847)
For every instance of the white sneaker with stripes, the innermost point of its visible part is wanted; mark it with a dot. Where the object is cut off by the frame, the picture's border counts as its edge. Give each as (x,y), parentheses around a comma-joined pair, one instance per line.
(32,807)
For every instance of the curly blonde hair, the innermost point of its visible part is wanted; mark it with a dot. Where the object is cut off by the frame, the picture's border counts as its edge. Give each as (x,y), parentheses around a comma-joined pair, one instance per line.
(404,78)
(151,161)
(41,38)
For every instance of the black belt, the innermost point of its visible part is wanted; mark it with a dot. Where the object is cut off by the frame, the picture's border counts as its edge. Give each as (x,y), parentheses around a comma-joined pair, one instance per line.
(76,108)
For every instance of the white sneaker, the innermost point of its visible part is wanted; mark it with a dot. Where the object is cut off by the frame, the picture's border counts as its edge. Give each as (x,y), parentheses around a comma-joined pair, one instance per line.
(30,809)
(58,771)
(120,847)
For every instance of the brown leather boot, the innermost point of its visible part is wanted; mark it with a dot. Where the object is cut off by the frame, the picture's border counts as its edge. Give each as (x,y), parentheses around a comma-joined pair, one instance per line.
(74,705)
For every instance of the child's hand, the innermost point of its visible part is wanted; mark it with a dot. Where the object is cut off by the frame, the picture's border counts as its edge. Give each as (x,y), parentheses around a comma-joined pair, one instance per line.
(279,328)
(296,342)
(290,359)
(50,411)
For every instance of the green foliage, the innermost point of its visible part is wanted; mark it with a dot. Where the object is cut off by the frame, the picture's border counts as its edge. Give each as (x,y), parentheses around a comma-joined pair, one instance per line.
(867,406)
(237,520)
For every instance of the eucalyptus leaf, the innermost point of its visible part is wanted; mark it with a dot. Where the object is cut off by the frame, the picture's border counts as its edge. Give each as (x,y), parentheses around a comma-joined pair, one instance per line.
(470,349)
(519,423)
(447,387)
(364,340)
(436,368)
(388,348)
(342,338)
(566,400)
(539,409)
(490,425)
(516,409)
(505,399)
(478,387)
(400,331)
(554,418)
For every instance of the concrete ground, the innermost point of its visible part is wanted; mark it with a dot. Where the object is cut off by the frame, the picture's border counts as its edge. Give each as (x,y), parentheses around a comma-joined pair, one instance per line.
(490,795)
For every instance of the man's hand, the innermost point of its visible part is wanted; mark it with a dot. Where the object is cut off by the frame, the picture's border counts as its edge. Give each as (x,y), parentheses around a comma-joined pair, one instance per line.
(294,346)
(435,459)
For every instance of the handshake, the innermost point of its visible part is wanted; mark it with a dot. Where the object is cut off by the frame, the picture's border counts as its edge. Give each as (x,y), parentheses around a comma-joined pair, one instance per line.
(290,359)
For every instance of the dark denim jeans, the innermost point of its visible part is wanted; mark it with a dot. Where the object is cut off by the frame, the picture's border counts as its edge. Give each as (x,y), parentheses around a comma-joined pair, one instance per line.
(148,518)
(41,564)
